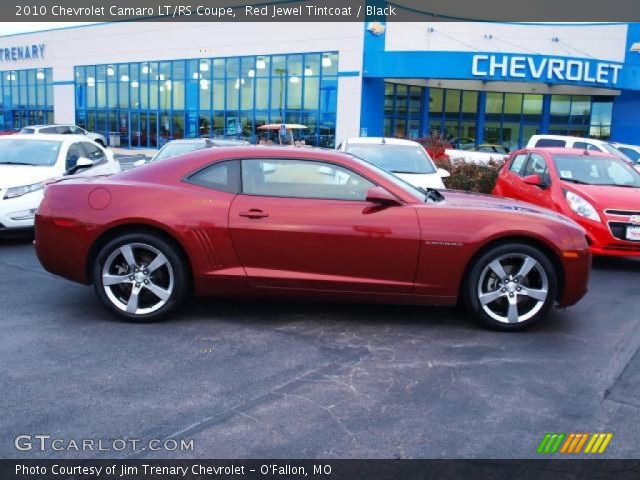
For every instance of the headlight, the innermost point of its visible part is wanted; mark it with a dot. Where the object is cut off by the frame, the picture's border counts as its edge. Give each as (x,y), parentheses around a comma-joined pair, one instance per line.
(23,190)
(581,206)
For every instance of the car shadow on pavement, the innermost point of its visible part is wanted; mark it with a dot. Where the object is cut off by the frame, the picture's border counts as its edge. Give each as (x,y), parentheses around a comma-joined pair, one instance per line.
(629,264)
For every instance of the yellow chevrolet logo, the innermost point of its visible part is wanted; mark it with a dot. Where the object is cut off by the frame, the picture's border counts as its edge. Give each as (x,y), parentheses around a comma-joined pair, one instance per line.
(574,443)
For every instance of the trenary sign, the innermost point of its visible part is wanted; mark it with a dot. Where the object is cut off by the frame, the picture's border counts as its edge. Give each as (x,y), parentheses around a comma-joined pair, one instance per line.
(22,52)
(513,67)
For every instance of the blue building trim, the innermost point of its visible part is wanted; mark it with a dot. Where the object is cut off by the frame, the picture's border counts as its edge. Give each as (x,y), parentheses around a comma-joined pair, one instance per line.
(349,74)
(64,82)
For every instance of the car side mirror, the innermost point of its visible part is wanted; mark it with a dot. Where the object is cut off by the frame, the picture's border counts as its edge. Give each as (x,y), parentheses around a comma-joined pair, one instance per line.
(443,173)
(535,180)
(382,197)
(81,163)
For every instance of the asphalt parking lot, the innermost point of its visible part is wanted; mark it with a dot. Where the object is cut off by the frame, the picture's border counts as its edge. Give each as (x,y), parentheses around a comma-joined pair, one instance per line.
(305,380)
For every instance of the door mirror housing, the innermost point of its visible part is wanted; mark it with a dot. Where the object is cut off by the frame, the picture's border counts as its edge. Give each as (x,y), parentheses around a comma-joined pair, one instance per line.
(535,180)
(81,163)
(443,173)
(381,196)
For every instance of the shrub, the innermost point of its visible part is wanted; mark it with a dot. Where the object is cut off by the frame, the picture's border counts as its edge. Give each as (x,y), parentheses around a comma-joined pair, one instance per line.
(435,145)
(470,177)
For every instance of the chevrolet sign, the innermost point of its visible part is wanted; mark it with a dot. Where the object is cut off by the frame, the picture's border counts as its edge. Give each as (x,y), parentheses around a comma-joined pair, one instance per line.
(545,69)
(23,52)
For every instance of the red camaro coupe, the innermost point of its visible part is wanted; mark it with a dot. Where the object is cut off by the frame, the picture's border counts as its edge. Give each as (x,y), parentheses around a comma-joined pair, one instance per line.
(300,222)
(597,190)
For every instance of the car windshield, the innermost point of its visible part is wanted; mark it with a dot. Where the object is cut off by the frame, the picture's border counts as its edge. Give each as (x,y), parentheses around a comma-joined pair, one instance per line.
(595,170)
(178,148)
(414,191)
(394,158)
(39,153)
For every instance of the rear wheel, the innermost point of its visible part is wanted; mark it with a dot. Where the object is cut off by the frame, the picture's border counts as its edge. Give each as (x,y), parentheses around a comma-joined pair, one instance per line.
(511,287)
(140,277)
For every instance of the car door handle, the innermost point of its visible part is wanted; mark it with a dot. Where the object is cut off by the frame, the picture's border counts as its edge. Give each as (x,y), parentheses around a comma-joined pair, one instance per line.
(254,213)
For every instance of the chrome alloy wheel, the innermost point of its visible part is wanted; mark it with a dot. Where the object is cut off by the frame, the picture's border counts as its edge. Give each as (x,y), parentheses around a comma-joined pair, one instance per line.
(513,288)
(137,278)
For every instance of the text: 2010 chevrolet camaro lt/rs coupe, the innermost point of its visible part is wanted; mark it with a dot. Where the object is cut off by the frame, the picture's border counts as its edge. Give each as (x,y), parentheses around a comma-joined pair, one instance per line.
(297,222)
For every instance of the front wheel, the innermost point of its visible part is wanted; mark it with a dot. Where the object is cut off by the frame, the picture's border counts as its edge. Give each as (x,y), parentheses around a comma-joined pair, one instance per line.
(511,287)
(140,277)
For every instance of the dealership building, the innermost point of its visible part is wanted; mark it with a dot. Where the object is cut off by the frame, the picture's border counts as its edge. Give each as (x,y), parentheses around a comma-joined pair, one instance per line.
(147,82)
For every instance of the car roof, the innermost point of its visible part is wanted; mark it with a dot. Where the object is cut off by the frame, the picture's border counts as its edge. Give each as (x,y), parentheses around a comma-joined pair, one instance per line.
(626,145)
(51,125)
(568,137)
(379,141)
(43,138)
(567,151)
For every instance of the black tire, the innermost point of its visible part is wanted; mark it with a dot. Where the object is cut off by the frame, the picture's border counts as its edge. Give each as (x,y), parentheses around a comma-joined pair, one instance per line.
(510,290)
(172,277)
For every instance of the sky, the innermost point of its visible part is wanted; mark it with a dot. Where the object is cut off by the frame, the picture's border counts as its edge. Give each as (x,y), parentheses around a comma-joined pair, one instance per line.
(9,28)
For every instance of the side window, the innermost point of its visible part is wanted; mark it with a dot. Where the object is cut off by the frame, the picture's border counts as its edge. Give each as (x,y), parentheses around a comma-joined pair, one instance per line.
(550,142)
(64,130)
(93,152)
(518,163)
(223,176)
(580,145)
(77,131)
(73,154)
(302,179)
(537,165)
(594,148)
(53,130)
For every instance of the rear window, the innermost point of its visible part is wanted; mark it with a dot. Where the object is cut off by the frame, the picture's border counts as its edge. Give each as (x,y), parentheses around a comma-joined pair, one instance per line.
(550,142)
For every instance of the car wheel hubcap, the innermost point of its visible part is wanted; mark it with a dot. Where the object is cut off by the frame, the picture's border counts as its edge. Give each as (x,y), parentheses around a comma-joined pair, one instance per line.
(513,288)
(137,278)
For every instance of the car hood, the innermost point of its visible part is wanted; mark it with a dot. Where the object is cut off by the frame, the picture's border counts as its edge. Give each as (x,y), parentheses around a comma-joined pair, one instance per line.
(18,175)
(603,197)
(481,201)
(422,180)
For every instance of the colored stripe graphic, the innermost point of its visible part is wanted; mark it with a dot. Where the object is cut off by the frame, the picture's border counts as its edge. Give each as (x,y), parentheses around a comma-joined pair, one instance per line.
(573,443)
(551,442)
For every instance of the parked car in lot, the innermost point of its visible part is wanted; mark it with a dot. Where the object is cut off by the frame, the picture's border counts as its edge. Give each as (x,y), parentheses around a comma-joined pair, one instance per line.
(64,130)
(404,158)
(597,190)
(178,147)
(217,222)
(28,161)
(632,152)
(481,154)
(564,141)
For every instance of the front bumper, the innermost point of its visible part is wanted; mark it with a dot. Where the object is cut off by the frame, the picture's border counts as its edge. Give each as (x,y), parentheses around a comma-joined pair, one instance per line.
(18,213)
(608,237)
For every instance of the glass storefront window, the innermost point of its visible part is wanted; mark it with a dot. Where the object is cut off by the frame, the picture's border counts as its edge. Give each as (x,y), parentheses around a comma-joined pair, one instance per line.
(26,97)
(403,110)
(211,97)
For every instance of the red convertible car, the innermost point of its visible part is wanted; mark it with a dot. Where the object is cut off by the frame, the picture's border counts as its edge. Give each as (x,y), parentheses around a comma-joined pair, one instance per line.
(598,190)
(250,221)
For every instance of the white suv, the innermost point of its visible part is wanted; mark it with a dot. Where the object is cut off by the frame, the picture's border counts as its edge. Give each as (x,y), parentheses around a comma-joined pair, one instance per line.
(564,141)
(404,158)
